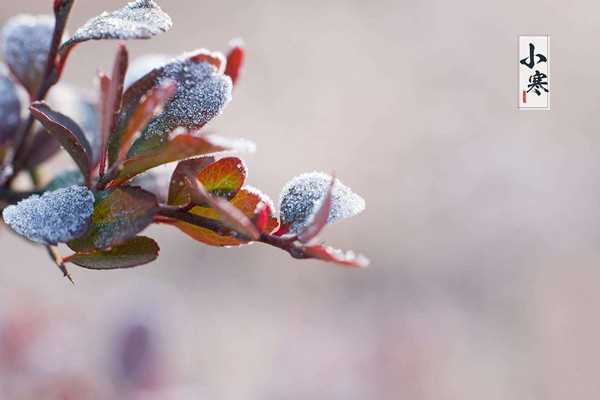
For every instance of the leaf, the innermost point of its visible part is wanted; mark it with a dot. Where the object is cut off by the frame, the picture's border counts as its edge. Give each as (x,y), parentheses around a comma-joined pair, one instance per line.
(179,186)
(151,104)
(134,252)
(26,41)
(140,19)
(319,218)
(223,178)
(180,145)
(111,97)
(67,132)
(333,255)
(54,217)
(119,214)
(43,147)
(202,92)
(235,61)
(10,108)
(246,200)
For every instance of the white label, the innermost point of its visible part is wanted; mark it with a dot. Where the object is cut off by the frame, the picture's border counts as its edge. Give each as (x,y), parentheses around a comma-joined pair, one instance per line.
(534,72)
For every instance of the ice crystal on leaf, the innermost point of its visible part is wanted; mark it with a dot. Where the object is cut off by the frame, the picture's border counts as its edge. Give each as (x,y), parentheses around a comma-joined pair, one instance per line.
(301,197)
(53,217)
(140,19)
(202,93)
(25,44)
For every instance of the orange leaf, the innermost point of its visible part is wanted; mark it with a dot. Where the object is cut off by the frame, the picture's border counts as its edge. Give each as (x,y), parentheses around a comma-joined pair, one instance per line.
(247,200)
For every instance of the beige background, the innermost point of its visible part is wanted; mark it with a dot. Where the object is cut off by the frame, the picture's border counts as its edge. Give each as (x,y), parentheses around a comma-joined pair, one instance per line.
(482,222)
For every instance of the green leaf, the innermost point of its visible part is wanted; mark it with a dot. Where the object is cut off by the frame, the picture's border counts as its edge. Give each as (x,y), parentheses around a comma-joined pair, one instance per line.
(119,214)
(134,252)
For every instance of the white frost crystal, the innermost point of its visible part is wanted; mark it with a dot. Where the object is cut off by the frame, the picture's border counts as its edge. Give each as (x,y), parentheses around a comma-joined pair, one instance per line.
(140,19)
(10,108)
(302,196)
(201,95)
(53,217)
(25,44)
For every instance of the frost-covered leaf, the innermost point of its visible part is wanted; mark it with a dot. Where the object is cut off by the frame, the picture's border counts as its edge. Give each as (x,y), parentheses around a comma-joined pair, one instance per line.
(333,255)
(202,92)
(301,197)
(119,214)
(65,179)
(246,200)
(235,60)
(26,41)
(10,108)
(67,132)
(140,19)
(57,216)
(143,65)
(179,146)
(319,218)
(137,251)
(149,106)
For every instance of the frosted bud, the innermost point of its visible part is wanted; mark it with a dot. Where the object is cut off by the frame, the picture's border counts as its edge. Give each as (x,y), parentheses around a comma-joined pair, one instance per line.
(25,44)
(53,217)
(144,64)
(302,196)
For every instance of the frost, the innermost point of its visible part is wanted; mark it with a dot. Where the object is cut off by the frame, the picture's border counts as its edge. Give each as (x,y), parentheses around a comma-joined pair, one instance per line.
(10,108)
(301,197)
(140,19)
(144,64)
(54,217)
(264,198)
(25,43)
(239,145)
(201,95)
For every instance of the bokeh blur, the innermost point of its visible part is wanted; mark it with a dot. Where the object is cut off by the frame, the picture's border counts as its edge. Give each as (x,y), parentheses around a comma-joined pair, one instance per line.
(482,221)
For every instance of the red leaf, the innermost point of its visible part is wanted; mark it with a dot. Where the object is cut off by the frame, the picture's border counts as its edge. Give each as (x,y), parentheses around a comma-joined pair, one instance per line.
(150,105)
(111,98)
(67,132)
(223,178)
(179,185)
(319,219)
(235,61)
(340,257)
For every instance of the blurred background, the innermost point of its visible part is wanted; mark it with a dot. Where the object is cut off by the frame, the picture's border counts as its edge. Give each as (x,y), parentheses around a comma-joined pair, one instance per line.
(482,222)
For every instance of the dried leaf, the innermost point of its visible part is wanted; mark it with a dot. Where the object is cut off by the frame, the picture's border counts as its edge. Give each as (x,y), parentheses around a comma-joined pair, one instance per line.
(140,19)
(137,251)
(119,214)
(67,132)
